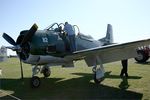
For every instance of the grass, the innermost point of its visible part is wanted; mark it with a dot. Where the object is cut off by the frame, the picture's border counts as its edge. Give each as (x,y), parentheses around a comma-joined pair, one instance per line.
(76,83)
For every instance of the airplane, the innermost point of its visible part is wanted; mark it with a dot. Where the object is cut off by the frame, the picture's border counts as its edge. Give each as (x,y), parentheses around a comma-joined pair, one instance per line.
(3,54)
(50,47)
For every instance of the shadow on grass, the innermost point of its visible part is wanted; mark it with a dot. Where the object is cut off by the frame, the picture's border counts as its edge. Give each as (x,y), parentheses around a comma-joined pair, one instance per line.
(75,88)
(144,63)
(124,84)
(108,75)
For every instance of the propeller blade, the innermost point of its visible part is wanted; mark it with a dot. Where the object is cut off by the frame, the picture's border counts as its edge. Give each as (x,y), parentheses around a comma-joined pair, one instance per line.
(9,39)
(29,34)
(14,48)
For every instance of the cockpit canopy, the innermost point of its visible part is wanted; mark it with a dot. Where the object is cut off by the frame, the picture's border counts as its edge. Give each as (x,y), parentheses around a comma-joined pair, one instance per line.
(56,26)
(52,26)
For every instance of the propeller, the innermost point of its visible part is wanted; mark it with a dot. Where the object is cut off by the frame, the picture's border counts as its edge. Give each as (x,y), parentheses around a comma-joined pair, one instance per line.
(19,47)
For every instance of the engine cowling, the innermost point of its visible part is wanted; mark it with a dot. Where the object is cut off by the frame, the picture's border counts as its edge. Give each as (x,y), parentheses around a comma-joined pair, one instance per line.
(23,54)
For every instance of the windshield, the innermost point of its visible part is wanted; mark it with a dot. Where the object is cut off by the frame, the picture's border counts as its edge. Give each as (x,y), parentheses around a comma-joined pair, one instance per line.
(52,26)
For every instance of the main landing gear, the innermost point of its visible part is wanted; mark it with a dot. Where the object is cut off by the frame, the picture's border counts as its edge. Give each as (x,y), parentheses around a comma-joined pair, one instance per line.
(98,72)
(35,80)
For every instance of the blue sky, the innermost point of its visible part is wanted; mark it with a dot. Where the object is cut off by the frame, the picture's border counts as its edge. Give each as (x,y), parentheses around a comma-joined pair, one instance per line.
(130,18)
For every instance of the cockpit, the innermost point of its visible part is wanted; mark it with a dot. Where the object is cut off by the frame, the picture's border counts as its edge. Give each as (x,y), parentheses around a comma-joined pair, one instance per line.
(59,27)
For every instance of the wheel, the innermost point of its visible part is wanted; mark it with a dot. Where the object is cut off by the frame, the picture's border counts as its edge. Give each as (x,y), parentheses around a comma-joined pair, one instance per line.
(35,82)
(94,69)
(97,81)
(46,72)
(142,56)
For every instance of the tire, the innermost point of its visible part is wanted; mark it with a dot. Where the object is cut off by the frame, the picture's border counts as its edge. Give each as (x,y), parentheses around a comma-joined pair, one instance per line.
(46,72)
(142,56)
(35,82)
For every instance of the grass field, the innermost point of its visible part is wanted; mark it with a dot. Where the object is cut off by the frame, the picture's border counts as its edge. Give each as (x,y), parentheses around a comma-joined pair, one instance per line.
(76,83)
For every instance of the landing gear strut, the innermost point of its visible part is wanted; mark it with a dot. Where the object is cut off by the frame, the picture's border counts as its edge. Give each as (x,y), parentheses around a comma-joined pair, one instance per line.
(98,71)
(35,80)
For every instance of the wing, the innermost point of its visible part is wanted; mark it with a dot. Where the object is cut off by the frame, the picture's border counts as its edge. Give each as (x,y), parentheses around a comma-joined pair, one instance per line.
(109,53)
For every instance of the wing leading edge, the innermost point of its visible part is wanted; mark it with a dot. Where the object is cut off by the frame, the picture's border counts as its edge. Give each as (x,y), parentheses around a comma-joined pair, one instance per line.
(109,53)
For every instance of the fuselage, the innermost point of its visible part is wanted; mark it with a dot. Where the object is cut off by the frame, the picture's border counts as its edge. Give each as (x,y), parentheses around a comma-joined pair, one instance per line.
(48,47)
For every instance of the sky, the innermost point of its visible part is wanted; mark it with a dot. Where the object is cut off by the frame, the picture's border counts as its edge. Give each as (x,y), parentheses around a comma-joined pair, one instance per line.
(130,18)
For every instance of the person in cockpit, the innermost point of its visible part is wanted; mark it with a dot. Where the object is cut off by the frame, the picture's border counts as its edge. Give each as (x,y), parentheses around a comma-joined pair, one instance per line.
(71,34)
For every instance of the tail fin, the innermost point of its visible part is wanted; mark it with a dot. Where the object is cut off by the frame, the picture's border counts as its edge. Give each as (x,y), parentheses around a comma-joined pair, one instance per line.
(109,36)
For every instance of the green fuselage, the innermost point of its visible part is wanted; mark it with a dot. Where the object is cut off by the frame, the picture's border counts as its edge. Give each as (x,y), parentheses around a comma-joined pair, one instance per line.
(53,43)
